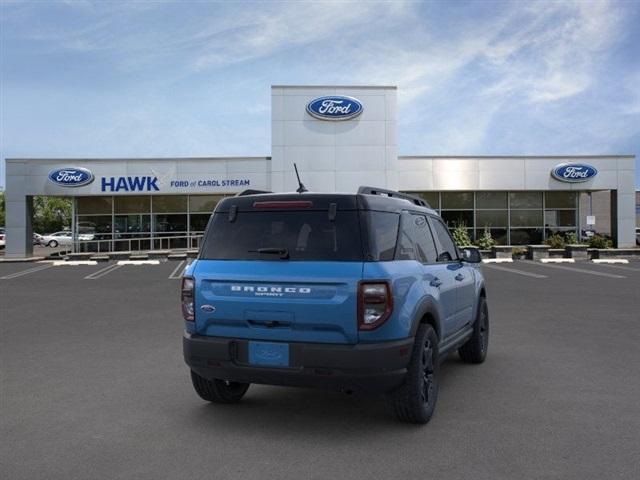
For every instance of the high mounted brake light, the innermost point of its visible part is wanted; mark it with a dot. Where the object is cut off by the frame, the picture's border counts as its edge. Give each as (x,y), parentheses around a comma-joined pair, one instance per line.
(284,204)
(375,304)
(186,298)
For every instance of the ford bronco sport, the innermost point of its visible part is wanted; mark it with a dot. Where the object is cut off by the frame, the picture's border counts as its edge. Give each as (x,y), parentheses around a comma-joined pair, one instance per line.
(355,292)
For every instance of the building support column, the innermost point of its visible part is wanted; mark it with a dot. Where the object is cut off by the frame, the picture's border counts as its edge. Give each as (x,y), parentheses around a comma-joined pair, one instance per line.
(623,218)
(18,230)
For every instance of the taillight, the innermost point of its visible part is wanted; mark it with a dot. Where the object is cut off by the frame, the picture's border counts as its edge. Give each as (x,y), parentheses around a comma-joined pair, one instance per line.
(186,297)
(375,304)
(284,204)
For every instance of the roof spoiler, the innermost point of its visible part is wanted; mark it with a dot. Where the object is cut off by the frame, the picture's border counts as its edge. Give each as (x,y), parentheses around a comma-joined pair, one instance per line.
(251,192)
(392,193)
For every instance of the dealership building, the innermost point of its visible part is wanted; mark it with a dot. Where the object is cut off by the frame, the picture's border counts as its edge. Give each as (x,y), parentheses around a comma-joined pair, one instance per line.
(341,137)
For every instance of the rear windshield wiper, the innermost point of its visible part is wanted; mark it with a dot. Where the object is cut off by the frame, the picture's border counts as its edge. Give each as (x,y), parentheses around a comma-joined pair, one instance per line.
(283,252)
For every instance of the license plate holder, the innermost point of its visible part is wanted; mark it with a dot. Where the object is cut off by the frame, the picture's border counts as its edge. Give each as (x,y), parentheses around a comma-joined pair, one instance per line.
(269,354)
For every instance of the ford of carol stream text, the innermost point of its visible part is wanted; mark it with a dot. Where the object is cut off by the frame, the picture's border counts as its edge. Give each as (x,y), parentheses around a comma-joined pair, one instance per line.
(354,292)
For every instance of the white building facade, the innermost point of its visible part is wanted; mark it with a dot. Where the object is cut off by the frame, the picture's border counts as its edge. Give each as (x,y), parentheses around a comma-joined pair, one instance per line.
(340,138)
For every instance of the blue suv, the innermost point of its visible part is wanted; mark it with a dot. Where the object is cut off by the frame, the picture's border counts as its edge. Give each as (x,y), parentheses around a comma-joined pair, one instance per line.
(355,292)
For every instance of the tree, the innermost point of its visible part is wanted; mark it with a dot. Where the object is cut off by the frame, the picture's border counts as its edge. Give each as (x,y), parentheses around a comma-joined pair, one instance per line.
(51,214)
(461,235)
(486,241)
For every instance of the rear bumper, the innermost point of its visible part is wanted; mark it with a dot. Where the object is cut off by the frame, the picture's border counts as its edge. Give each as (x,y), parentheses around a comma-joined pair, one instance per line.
(376,367)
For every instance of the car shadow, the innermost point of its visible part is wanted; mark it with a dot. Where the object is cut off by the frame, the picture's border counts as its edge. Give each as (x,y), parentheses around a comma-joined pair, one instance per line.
(291,411)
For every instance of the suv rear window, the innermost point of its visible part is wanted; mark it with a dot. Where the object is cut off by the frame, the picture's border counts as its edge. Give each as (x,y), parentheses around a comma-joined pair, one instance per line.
(305,235)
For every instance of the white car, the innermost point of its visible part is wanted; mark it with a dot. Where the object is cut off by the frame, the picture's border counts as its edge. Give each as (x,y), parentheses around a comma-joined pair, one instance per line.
(62,238)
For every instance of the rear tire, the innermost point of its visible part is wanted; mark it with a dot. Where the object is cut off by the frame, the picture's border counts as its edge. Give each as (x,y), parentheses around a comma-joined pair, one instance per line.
(218,391)
(415,400)
(475,350)
(53,244)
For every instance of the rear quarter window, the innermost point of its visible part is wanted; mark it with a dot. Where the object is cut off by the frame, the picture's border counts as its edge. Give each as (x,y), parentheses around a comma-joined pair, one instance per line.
(382,233)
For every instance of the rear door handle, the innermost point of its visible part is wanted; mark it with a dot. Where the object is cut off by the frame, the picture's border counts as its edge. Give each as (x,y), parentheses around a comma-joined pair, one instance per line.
(436,282)
(459,277)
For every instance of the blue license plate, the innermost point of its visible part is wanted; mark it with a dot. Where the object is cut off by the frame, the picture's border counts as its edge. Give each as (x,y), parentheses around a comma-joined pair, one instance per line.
(270,354)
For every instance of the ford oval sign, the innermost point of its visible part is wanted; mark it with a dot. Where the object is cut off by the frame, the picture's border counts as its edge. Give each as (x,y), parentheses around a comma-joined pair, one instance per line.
(335,107)
(71,177)
(574,172)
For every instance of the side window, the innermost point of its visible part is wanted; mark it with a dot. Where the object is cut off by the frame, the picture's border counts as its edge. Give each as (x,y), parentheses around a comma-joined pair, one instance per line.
(406,242)
(424,240)
(416,242)
(446,248)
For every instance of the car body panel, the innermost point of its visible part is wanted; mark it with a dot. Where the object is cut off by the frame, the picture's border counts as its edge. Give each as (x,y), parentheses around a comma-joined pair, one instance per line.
(278,300)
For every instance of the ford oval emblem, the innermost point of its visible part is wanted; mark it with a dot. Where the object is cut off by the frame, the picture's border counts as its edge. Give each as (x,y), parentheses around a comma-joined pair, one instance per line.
(334,107)
(71,177)
(574,172)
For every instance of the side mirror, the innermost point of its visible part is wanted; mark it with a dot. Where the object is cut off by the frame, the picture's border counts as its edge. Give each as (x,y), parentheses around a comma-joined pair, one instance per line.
(471,255)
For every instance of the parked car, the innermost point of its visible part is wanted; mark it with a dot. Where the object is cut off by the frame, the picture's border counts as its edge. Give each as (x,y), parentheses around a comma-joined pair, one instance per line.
(63,238)
(57,238)
(585,235)
(38,239)
(637,236)
(361,291)
(2,240)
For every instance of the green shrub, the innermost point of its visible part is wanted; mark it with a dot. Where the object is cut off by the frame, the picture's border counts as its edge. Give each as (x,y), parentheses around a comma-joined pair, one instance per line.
(598,241)
(556,241)
(486,241)
(461,235)
(571,239)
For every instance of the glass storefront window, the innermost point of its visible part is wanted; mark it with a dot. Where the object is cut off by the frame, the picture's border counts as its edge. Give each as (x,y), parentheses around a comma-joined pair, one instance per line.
(492,218)
(526,236)
(130,224)
(203,203)
(457,200)
(458,217)
(526,218)
(164,223)
(525,199)
(560,199)
(491,200)
(133,204)
(432,198)
(560,218)
(498,234)
(169,204)
(198,221)
(92,224)
(93,205)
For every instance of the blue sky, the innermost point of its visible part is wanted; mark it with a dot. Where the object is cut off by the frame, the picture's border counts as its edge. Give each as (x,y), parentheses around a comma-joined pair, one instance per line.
(127,79)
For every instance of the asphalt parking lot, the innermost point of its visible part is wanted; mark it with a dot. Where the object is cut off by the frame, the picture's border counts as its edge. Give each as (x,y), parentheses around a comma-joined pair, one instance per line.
(94,387)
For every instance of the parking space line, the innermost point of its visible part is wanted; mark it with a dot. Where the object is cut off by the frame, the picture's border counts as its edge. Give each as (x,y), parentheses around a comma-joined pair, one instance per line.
(175,275)
(26,272)
(626,267)
(138,262)
(514,270)
(581,270)
(102,272)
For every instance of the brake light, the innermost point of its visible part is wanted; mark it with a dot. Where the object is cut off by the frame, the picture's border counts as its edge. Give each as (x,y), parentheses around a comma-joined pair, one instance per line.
(375,304)
(186,297)
(284,204)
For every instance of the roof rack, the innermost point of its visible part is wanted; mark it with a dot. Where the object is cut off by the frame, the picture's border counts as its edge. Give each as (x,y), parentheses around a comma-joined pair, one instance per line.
(251,191)
(393,194)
